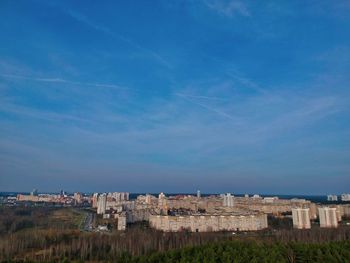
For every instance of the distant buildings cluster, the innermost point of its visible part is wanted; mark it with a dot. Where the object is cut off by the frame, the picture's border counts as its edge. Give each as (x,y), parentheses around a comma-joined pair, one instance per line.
(61,198)
(107,201)
(198,213)
(213,213)
(343,197)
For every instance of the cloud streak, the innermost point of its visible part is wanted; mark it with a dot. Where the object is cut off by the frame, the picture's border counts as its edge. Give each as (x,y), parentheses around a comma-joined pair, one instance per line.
(201,97)
(81,18)
(59,80)
(219,112)
(228,8)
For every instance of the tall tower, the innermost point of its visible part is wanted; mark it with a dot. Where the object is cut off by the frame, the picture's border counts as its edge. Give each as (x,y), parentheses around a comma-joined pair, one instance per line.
(94,200)
(162,202)
(198,194)
(228,200)
(301,218)
(101,204)
(328,216)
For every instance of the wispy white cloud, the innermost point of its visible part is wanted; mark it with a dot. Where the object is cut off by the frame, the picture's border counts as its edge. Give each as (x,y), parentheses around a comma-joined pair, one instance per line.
(228,8)
(246,82)
(60,80)
(217,111)
(45,115)
(200,97)
(98,27)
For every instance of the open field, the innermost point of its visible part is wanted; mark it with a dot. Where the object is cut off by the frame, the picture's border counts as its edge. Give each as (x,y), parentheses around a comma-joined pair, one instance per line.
(15,219)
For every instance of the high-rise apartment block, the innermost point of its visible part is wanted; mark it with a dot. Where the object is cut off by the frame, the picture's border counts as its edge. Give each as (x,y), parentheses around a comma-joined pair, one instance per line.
(148,199)
(332,198)
(328,216)
(119,196)
(101,204)
(301,218)
(228,200)
(94,200)
(78,197)
(345,197)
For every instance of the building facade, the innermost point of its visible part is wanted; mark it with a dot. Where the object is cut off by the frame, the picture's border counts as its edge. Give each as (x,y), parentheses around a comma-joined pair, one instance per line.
(328,216)
(301,218)
(101,204)
(228,200)
(209,223)
(332,198)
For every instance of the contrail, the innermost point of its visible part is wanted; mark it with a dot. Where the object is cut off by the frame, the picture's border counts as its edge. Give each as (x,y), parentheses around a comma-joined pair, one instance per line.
(59,80)
(79,17)
(200,97)
(224,114)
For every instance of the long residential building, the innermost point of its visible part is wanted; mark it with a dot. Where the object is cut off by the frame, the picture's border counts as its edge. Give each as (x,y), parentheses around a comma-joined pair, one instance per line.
(209,222)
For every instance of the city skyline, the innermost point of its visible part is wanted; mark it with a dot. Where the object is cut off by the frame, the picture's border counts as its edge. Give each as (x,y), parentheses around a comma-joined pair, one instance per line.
(221,96)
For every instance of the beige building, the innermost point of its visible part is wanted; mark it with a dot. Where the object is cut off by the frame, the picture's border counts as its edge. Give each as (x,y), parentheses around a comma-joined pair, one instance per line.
(94,200)
(209,222)
(346,210)
(301,218)
(101,204)
(31,198)
(328,216)
(121,221)
(78,197)
(228,200)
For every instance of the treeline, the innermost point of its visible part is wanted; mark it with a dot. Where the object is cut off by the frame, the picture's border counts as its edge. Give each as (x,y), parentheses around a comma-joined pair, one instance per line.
(238,251)
(52,235)
(43,245)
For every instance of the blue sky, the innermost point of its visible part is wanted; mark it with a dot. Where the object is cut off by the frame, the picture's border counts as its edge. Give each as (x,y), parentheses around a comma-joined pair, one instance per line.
(175,96)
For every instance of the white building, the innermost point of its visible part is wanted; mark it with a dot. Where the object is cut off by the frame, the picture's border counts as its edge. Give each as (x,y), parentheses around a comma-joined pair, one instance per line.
(301,218)
(119,196)
(198,194)
(345,197)
(101,204)
(332,198)
(270,199)
(328,216)
(228,200)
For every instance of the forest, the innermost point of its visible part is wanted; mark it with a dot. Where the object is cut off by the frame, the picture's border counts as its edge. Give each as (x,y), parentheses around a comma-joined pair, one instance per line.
(239,251)
(38,234)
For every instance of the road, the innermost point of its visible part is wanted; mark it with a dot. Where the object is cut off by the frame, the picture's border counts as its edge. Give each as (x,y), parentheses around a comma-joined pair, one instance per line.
(88,222)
